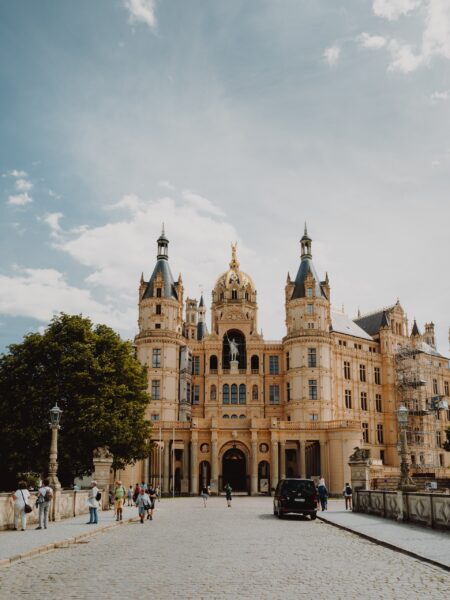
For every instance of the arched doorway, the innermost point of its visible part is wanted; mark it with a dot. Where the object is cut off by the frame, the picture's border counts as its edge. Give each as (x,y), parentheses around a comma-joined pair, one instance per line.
(234,470)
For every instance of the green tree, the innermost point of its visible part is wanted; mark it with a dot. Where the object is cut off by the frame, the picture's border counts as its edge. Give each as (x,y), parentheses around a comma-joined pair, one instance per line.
(97,382)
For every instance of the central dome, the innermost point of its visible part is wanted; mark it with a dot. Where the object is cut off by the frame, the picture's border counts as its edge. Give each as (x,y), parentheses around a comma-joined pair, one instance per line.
(234,280)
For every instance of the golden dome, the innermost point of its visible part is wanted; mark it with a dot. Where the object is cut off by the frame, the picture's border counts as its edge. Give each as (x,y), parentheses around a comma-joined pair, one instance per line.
(234,278)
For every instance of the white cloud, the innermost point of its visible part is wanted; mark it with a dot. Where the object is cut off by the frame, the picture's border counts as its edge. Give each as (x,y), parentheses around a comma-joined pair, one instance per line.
(440,96)
(393,9)
(52,220)
(20,199)
(23,185)
(202,204)
(403,57)
(141,11)
(16,173)
(331,55)
(42,293)
(372,42)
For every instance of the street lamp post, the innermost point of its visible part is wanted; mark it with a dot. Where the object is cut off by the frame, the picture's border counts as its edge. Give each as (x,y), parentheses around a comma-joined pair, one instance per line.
(406,483)
(55,417)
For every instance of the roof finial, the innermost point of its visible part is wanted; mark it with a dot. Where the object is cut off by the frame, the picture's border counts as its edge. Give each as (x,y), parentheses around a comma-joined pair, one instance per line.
(162,230)
(306,229)
(234,263)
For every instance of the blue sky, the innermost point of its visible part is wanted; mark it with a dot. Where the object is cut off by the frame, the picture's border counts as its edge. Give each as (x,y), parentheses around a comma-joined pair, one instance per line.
(228,121)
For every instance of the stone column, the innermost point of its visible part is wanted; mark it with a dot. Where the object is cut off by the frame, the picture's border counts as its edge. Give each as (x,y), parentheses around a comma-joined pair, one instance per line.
(302,449)
(185,480)
(194,464)
(214,465)
(146,477)
(166,469)
(274,465)
(282,459)
(324,461)
(254,480)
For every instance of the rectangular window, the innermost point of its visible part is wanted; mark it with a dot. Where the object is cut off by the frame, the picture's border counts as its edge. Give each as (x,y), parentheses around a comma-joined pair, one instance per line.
(196,365)
(378,403)
(363,400)
(158,309)
(312,389)
(309,292)
(362,372)
(382,456)
(346,369)
(310,309)
(196,394)
(288,392)
(312,357)
(274,367)
(288,364)
(157,325)
(158,292)
(438,439)
(380,435)
(156,389)
(156,358)
(313,417)
(446,388)
(377,375)
(348,399)
(274,394)
(435,386)
(365,432)
(154,417)
(310,325)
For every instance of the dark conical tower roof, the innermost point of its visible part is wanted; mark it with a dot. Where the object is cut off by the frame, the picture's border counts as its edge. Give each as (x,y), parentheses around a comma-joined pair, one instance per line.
(415,330)
(162,267)
(306,266)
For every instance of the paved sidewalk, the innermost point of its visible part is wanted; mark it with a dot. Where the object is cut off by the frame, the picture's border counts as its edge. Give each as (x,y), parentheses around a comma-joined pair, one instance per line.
(15,545)
(429,544)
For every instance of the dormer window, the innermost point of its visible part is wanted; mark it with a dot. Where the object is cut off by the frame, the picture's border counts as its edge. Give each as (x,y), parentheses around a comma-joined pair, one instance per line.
(234,295)
(309,292)
(158,292)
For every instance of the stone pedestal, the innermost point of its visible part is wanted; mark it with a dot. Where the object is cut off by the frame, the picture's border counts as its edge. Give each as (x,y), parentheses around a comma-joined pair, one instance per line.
(103,460)
(359,463)
(234,367)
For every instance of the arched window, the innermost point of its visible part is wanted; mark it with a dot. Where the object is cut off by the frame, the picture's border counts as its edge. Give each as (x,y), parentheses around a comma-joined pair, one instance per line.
(254,363)
(213,392)
(255,392)
(226,394)
(234,394)
(242,416)
(234,295)
(213,362)
(234,416)
(226,417)
(242,393)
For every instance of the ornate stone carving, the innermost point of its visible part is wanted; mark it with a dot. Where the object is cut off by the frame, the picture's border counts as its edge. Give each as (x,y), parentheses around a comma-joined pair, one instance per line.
(359,454)
(102,453)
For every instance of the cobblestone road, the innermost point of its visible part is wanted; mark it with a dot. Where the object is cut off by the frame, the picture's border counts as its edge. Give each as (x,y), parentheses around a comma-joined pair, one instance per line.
(218,552)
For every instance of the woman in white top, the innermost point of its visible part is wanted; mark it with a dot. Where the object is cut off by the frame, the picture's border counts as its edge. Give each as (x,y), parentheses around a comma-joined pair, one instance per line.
(93,504)
(20,497)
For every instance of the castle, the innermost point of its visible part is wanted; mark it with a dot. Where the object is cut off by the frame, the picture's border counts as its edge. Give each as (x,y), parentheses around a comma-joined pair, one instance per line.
(229,407)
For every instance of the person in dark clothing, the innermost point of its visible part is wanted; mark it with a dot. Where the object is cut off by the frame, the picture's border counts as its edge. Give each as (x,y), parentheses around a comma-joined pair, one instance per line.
(323,493)
(228,490)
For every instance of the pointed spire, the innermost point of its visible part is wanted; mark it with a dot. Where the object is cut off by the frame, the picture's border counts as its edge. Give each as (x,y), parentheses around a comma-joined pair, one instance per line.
(288,278)
(201,303)
(384,320)
(234,263)
(305,245)
(142,277)
(163,245)
(415,330)
(306,230)
(327,281)
(163,233)
(359,313)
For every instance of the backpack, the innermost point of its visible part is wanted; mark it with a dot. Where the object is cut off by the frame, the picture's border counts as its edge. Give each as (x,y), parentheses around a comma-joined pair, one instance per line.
(98,497)
(348,490)
(48,495)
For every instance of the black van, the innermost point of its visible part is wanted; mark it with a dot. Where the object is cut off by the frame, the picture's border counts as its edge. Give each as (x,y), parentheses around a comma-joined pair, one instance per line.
(295,496)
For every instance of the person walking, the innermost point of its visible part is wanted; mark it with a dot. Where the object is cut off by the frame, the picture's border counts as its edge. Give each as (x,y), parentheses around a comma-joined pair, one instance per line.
(43,501)
(348,496)
(152,495)
(119,499)
(158,493)
(143,504)
(205,494)
(137,490)
(323,493)
(93,503)
(21,497)
(228,490)
(130,496)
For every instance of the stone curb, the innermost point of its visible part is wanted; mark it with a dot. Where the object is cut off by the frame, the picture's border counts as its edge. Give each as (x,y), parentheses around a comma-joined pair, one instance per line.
(7,562)
(379,542)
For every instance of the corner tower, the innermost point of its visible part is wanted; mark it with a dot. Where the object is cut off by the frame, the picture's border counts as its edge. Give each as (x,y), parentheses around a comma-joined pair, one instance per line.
(308,341)
(160,334)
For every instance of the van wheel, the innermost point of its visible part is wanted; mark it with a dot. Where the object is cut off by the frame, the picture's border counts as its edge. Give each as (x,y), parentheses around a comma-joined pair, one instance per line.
(313,517)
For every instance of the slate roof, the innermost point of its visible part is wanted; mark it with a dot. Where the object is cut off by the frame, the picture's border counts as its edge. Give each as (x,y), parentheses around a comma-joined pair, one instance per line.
(373,322)
(170,290)
(306,266)
(201,330)
(343,324)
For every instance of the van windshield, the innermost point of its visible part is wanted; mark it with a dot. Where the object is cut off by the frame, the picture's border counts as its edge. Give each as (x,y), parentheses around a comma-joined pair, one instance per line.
(293,486)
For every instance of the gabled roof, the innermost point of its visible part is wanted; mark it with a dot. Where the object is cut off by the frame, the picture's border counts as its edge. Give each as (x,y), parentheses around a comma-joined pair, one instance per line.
(343,324)
(306,266)
(372,323)
(170,290)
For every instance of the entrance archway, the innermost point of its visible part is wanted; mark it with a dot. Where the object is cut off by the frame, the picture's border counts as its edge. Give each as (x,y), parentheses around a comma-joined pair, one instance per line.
(234,470)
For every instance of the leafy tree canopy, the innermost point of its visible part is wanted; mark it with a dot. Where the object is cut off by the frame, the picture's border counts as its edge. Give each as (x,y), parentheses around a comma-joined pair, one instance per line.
(97,382)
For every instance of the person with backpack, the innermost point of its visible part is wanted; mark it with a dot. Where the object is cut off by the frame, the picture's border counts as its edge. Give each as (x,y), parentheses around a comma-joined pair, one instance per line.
(45,496)
(119,499)
(143,504)
(348,496)
(228,490)
(93,502)
(323,493)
